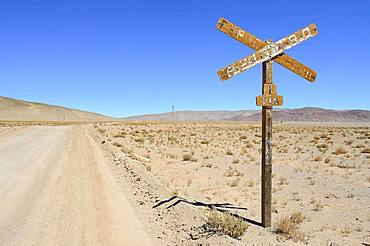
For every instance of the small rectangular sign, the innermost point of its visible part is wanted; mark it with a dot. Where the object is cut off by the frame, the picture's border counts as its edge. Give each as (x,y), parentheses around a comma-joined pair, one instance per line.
(269,100)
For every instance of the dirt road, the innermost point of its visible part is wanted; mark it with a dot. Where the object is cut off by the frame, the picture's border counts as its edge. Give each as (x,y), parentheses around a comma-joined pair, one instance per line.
(55,189)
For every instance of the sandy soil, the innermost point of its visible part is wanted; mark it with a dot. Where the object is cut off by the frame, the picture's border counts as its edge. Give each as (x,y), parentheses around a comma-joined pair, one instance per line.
(56,189)
(133,183)
(320,171)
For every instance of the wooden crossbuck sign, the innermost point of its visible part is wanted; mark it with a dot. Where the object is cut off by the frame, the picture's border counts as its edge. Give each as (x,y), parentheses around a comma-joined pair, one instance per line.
(266,52)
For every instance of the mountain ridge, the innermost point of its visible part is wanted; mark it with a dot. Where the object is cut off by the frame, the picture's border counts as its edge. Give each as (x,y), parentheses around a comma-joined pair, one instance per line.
(305,114)
(19,110)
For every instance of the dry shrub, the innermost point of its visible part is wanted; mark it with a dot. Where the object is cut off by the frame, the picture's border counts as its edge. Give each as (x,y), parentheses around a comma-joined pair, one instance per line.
(317,158)
(186,157)
(288,227)
(345,165)
(234,183)
(366,151)
(139,140)
(346,231)
(229,173)
(317,206)
(248,145)
(283,180)
(315,141)
(251,183)
(209,165)
(228,152)
(322,146)
(340,150)
(297,217)
(117,144)
(101,130)
(225,223)
(120,135)
(348,142)
(175,192)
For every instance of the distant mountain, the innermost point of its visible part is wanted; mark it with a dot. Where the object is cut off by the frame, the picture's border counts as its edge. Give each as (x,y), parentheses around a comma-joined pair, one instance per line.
(194,115)
(308,114)
(311,114)
(18,110)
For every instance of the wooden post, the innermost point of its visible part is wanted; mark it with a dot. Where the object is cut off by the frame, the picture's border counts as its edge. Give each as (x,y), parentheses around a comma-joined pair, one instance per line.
(266,149)
(265,53)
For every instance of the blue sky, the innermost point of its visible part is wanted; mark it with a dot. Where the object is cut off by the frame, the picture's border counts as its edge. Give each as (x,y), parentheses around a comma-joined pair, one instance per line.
(133,57)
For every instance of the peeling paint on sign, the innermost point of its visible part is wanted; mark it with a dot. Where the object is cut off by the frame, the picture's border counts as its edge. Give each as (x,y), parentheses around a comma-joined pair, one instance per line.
(269,51)
(253,42)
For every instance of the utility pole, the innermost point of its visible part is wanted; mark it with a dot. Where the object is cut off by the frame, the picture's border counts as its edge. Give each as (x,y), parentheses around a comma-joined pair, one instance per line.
(173,114)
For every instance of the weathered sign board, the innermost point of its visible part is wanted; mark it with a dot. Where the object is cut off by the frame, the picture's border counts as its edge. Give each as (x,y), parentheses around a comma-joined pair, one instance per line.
(266,52)
(253,42)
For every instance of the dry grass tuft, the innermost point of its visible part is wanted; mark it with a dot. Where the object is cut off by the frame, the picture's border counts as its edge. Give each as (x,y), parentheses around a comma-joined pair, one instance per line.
(120,135)
(366,151)
(317,158)
(101,130)
(117,144)
(228,152)
(234,183)
(288,227)
(204,142)
(317,206)
(225,223)
(297,217)
(340,151)
(187,157)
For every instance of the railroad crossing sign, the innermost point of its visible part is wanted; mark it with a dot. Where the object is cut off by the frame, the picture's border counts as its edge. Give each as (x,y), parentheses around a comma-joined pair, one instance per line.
(266,52)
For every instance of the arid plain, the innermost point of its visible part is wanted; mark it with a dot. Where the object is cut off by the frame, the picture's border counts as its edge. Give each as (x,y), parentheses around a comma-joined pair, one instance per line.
(321,180)
(95,180)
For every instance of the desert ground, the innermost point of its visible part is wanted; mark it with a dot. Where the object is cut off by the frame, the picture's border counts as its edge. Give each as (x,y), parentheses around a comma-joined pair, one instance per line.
(165,183)
(56,189)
